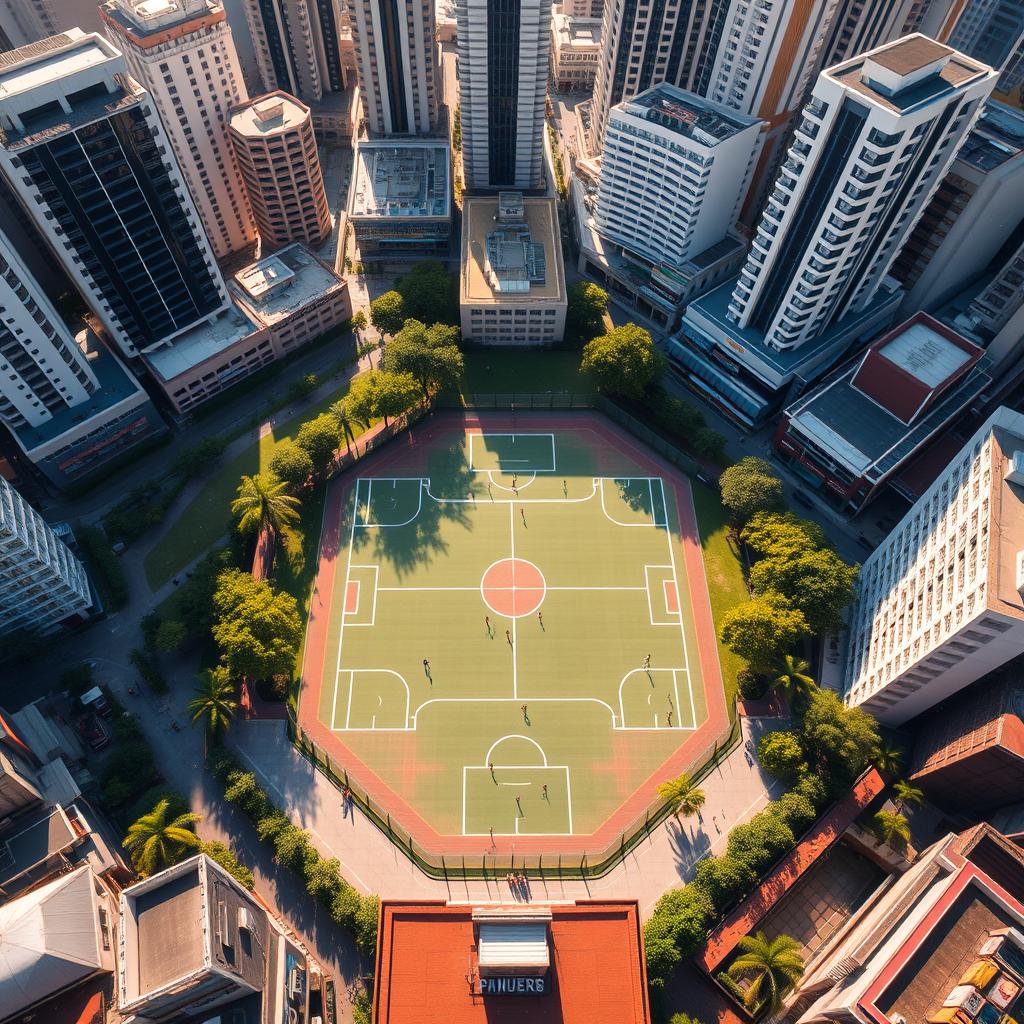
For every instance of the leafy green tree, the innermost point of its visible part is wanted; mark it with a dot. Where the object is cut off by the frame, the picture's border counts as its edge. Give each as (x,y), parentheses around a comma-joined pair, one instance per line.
(795,810)
(430,354)
(365,924)
(258,631)
(623,362)
(387,313)
(818,583)
(892,828)
(293,850)
(291,464)
(683,916)
(778,534)
(318,438)
(889,759)
(382,393)
(840,741)
(215,701)
(361,401)
(584,318)
(791,678)
(683,1018)
(906,795)
(323,879)
(748,487)
(758,843)
(781,754)
(723,879)
(358,321)
(225,857)
(199,457)
(170,635)
(428,293)
(761,628)
(661,956)
(811,785)
(774,966)
(344,414)
(683,795)
(243,789)
(262,504)
(157,840)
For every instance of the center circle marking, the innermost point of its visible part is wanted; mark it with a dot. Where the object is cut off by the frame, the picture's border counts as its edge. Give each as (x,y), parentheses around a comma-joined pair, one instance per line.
(513,587)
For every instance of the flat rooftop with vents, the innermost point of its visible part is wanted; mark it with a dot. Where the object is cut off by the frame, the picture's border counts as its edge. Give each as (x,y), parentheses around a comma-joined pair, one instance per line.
(409,179)
(688,115)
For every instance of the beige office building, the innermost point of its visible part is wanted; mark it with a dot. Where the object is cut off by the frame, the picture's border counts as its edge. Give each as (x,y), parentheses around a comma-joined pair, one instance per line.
(273,140)
(512,289)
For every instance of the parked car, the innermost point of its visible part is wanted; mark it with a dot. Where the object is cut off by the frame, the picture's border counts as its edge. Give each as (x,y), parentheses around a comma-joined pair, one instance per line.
(96,700)
(93,731)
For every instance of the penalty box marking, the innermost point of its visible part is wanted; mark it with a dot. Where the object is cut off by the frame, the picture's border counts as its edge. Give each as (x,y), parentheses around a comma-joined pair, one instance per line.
(466,769)
(352,606)
(656,521)
(671,607)
(366,524)
(675,687)
(526,468)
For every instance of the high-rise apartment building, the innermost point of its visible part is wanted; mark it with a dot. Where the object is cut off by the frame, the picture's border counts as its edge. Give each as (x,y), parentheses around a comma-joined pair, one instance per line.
(583,8)
(27,21)
(990,31)
(971,215)
(273,140)
(940,601)
(503,73)
(674,171)
(1003,296)
(396,57)
(298,45)
(874,142)
(91,162)
(41,582)
(182,53)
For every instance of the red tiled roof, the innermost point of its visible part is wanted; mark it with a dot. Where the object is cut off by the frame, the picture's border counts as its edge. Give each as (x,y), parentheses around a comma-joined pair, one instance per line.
(426,951)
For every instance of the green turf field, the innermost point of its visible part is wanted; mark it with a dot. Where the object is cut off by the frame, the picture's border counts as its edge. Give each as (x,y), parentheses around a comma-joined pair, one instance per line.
(518,569)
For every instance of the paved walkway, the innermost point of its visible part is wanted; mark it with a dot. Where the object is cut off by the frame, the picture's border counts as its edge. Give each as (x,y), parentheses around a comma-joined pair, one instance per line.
(735,791)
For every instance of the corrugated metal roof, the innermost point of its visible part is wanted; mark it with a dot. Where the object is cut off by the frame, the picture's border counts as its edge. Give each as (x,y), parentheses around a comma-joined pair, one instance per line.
(514,945)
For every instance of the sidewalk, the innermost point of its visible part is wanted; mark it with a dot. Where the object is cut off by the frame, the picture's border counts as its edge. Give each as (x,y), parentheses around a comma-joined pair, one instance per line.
(737,790)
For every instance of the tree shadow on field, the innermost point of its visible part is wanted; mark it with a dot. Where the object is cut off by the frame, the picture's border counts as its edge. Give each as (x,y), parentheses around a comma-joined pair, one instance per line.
(417,544)
(637,495)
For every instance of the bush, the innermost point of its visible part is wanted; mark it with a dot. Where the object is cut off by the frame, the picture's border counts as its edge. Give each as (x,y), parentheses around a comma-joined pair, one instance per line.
(243,789)
(795,810)
(752,685)
(170,635)
(199,457)
(781,754)
(662,957)
(366,920)
(812,787)
(303,388)
(345,906)
(760,842)
(291,846)
(145,664)
(107,572)
(226,858)
(77,679)
(723,879)
(271,825)
(362,1007)
(323,879)
(128,772)
(176,803)
(144,507)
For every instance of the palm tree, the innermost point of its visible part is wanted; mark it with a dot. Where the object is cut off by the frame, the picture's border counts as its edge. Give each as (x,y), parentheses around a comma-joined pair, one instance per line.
(906,795)
(892,828)
(889,758)
(263,504)
(214,700)
(156,843)
(792,680)
(342,413)
(773,965)
(683,796)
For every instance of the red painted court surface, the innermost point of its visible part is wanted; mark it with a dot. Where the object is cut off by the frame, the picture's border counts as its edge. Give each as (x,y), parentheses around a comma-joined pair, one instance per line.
(512,642)
(427,971)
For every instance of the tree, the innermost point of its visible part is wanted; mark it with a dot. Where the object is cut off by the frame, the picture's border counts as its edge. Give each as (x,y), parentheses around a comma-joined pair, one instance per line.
(781,754)
(723,879)
(889,758)
(262,504)
(358,322)
(344,415)
(225,857)
(430,354)
(791,679)
(291,464)
(748,487)
(387,313)
(319,439)
(683,1018)
(774,966)
(428,293)
(584,318)
(396,393)
(906,795)
(170,635)
(623,362)
(760,629)
(818,583)
(323,879)
(892,828)
(796,810)
(361,401)
(758,843)
(156,840)
(841,741)
(258,631)
(682,795)
(214,700)
(777,534)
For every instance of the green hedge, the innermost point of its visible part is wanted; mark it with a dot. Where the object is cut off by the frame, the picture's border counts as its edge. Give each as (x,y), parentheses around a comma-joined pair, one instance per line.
(107,572)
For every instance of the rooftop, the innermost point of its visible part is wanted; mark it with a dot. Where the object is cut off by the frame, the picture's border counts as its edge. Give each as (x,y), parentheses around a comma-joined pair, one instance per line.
(686,114)
(407,179)
(996,137)
(166,920)
(26,68)
(500,257)
(283,283)
(428,971)
(578,33)
(150,22)
(116,385)
(201,342)
(32,838)
(267,114)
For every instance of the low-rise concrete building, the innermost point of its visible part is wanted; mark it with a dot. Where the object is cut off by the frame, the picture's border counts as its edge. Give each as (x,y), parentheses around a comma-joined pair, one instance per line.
(512,285)
(400,199)
(575,48)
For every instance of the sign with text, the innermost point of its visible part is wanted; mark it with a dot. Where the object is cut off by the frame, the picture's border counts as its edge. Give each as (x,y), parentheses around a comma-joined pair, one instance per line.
(511,985)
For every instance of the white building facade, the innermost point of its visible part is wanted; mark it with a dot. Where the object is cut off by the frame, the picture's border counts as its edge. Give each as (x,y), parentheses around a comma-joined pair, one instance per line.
(88,155)
(41,581)
(503,48)
(674,171)
(28,21)
(874,142)
(183,53)
(396,58)
(940,601)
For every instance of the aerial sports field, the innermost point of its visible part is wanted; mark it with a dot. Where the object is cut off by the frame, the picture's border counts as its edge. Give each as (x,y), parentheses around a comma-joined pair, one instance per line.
(510,642)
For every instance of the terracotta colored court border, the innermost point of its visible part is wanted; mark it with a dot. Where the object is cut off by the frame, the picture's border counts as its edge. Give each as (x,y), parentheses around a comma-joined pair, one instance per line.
(413,445)
(513,587)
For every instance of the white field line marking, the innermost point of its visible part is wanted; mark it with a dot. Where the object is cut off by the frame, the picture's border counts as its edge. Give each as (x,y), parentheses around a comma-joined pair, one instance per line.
(552,767)
(485,434)
(313,590)
(415,590)
(632,672)
(351,687)
(604,508)
(506,700)
(393,480)
(675,686)
(515,666)
(358,589)
(664,590)
(647,587)
(514,736)
(520,501)
(341,628)
(519,485)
